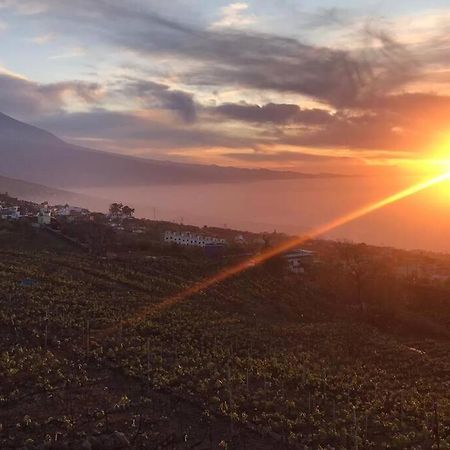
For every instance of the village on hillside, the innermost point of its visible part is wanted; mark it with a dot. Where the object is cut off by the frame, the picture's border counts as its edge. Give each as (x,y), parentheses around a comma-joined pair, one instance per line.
(100,233)
(119,232)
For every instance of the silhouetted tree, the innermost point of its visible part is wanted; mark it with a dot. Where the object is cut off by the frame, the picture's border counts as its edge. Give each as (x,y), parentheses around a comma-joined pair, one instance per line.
(115,209)
(127,211)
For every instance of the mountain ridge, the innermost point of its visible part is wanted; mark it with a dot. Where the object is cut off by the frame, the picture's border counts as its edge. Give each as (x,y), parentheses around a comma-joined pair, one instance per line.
(36,155)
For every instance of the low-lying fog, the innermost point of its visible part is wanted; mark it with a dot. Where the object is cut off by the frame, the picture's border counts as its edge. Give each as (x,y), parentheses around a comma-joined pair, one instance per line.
(421,221)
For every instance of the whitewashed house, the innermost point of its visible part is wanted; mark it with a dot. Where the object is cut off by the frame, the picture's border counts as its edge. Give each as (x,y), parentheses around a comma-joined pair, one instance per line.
(298,260)
(10,213)
(191,239)
(44,217)
(68,210)
(62,210)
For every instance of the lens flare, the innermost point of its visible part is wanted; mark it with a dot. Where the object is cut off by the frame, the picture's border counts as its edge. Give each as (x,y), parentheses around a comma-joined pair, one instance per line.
(315,232)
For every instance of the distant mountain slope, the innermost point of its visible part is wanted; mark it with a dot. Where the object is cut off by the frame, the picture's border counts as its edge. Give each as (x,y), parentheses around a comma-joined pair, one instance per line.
(39,193)
(32,154)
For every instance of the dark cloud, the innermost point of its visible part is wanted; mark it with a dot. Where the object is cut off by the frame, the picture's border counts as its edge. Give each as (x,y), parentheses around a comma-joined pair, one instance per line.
(403,122)
(129,130)
(161,96)
(25,98)
(395,123)
(398,123)
(273,113)
(268,62)
(371,131)
(362,85)
(254,60)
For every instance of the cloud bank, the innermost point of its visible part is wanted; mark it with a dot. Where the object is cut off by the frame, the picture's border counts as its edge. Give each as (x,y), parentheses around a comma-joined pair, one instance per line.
(224,84)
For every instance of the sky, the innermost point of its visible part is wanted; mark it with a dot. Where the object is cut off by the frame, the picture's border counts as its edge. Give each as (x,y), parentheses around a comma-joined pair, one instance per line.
(349,86)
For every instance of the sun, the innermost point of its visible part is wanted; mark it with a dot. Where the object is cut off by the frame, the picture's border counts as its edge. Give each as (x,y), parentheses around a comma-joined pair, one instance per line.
(443,152)
(433,162)
(438,162)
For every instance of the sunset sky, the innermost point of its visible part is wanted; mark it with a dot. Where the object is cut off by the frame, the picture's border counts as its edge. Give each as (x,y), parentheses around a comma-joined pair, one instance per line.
(316,86)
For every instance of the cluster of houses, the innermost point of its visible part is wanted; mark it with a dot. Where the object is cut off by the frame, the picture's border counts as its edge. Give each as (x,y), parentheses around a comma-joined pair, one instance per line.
(69,211)
(41,215)
(10,212)
(44,215)
(297,260)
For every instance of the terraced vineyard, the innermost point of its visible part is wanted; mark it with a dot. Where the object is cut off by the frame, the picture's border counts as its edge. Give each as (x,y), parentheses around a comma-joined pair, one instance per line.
(257,362)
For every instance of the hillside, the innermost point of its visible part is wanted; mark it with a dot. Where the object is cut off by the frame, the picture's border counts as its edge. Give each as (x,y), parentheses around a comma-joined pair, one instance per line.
(95,348)
(32,154)
(38,193)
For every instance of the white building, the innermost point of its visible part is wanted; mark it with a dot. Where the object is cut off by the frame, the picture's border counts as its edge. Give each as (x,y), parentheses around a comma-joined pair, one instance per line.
(44,217)
(191,239)
(68,210)
(10,213)
(298,259)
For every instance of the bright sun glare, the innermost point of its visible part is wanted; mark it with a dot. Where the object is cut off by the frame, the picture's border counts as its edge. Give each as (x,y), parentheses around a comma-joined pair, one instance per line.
(438,162)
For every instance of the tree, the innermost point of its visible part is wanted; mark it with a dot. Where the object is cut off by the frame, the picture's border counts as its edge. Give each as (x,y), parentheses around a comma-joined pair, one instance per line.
(115,209)
(120,211)
(127,211)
